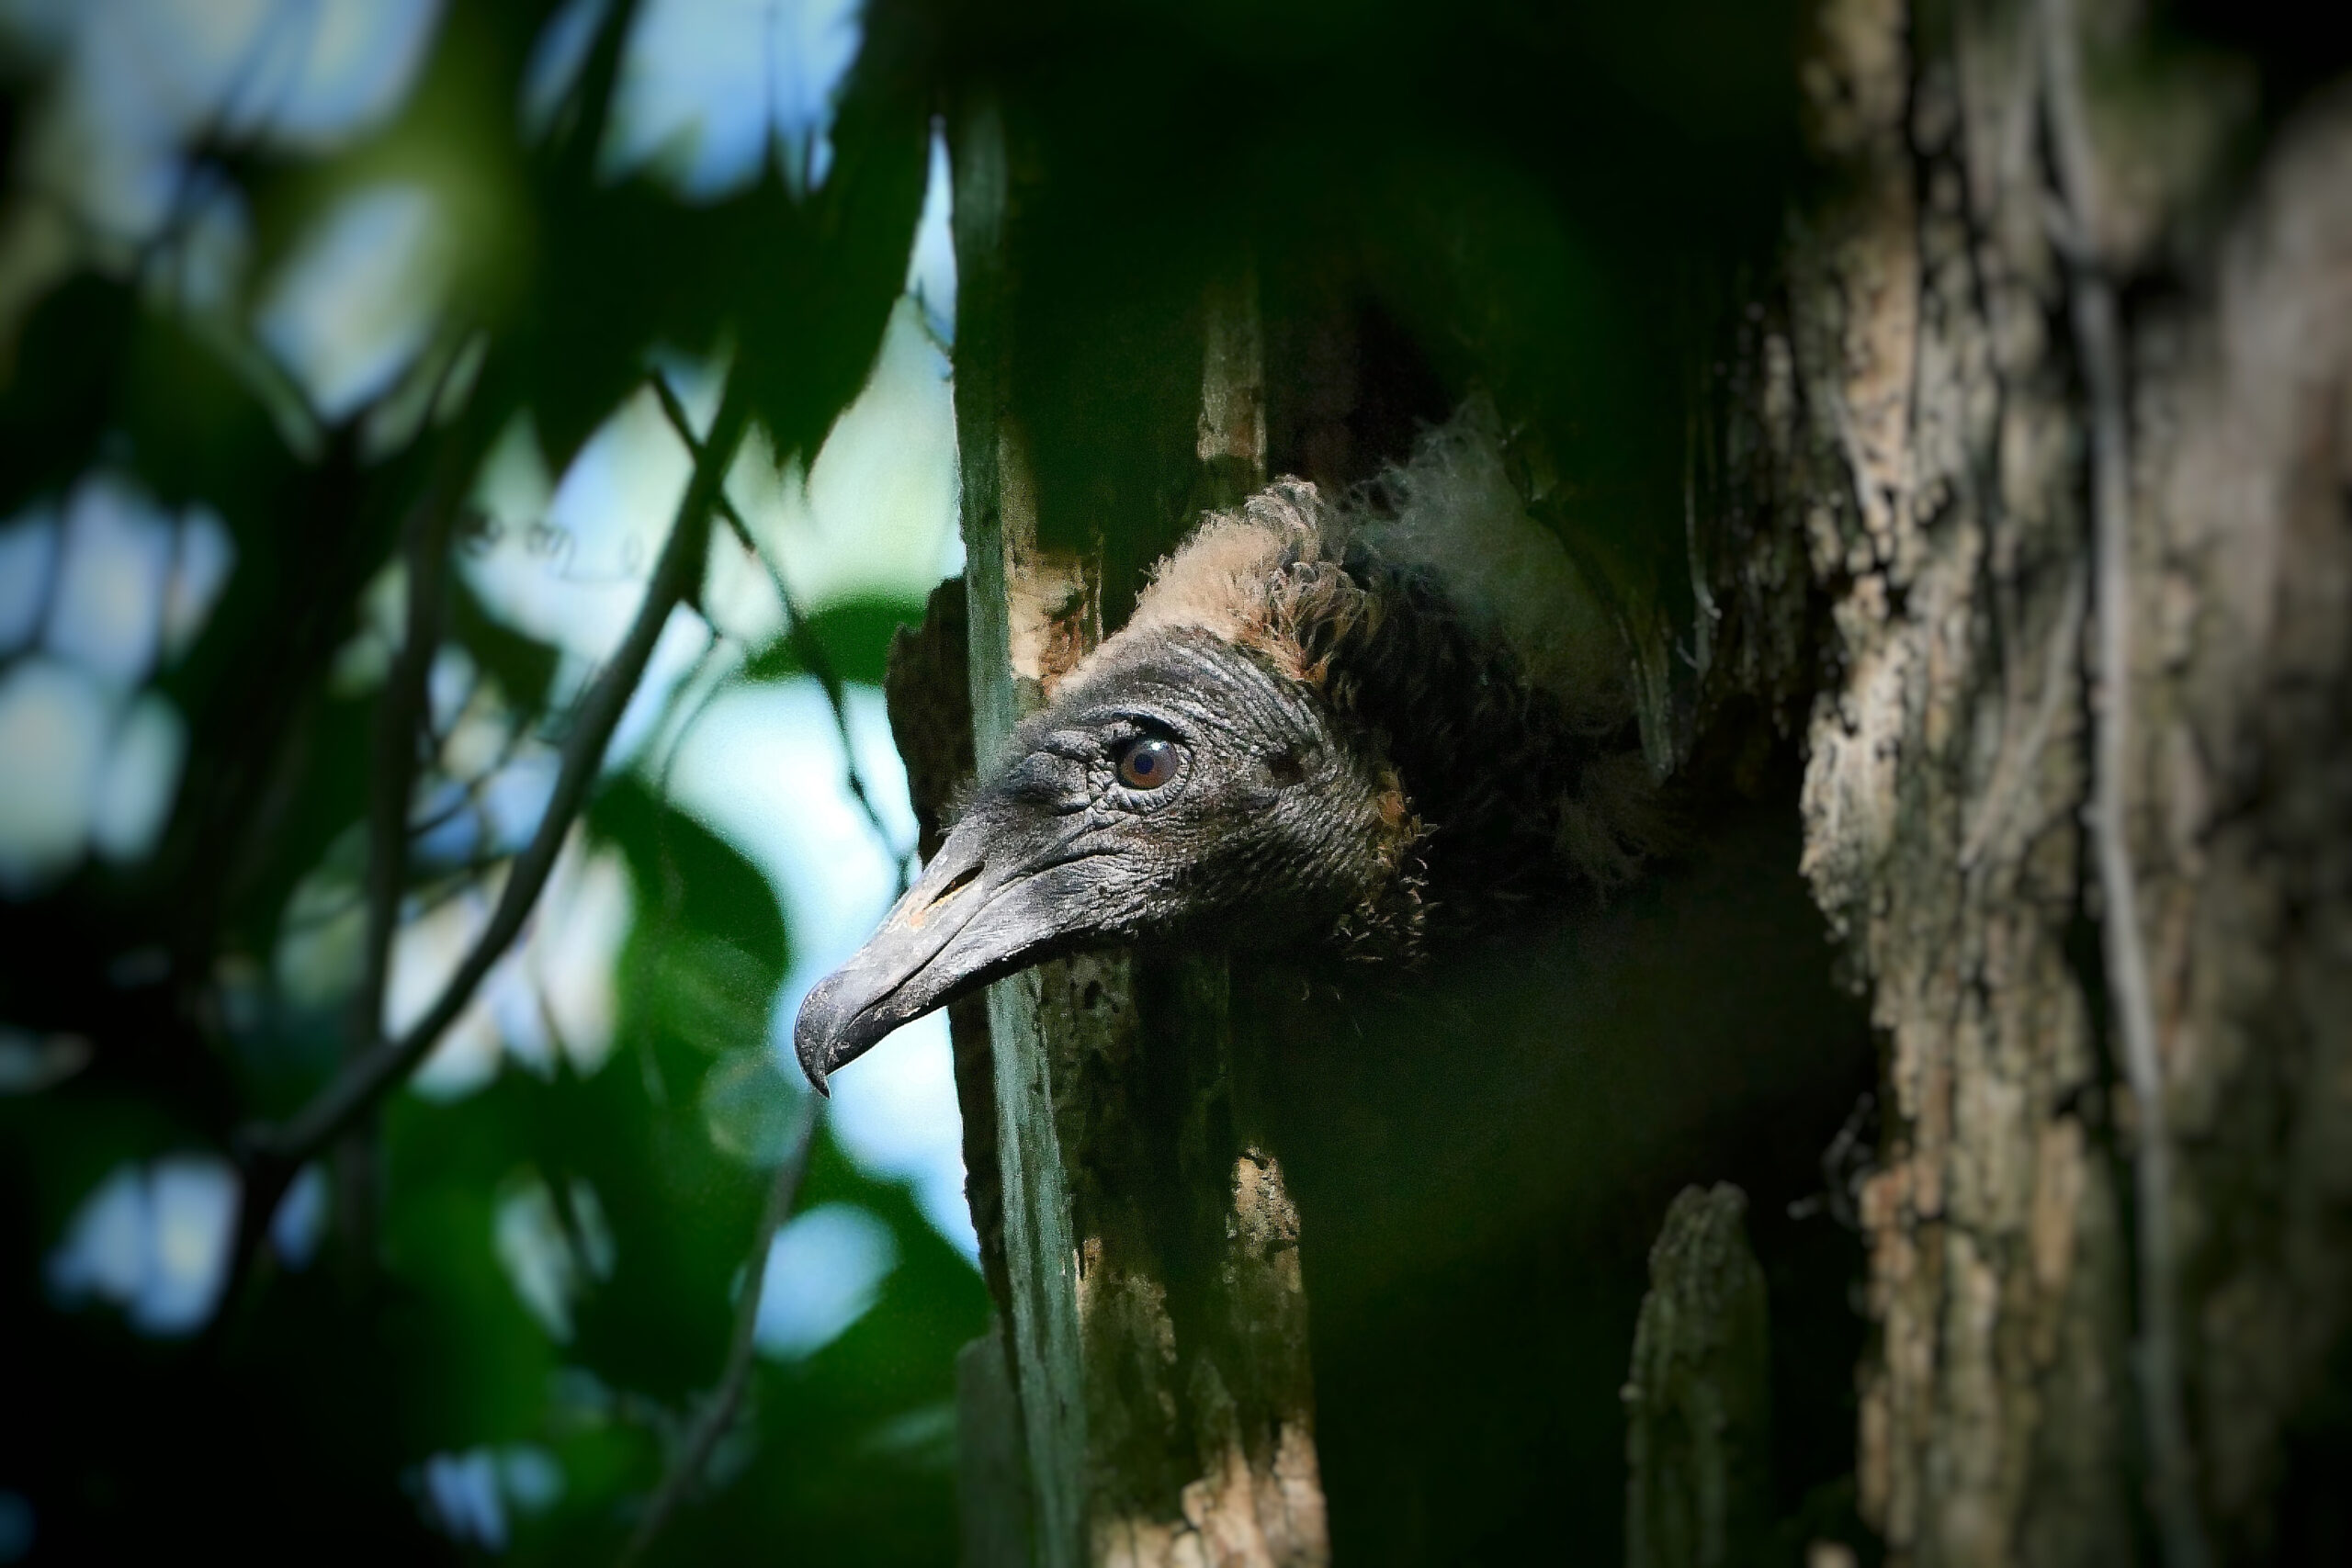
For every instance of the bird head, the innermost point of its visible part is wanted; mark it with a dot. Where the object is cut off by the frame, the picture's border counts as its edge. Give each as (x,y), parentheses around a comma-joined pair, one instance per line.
(1180,787)
(1307,721)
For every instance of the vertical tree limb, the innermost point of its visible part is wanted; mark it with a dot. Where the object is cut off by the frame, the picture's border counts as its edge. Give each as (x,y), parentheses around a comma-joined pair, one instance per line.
(1698,1399)
(998,515)
(399,718)
(1157,1311)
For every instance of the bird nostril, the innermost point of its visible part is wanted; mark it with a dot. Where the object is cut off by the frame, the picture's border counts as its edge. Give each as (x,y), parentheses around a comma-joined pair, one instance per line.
(955,885)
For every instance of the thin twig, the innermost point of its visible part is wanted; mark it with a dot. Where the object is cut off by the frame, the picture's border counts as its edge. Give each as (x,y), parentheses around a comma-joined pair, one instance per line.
(687,717)
(693,1449)
(520,732)
(675,576)
(804,642)
(2180,1528)
(398,721)
(469,791)
(399,717)
(451,883)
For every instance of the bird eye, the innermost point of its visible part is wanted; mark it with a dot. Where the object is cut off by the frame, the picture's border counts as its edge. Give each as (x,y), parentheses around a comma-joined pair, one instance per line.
(1146,763)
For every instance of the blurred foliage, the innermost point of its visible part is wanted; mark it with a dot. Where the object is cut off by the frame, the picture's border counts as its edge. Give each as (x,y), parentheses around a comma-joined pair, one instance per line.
(848,641)
(331,1405)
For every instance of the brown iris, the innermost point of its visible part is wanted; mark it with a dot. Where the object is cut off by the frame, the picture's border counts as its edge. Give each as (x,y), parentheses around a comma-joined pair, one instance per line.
(1146,763)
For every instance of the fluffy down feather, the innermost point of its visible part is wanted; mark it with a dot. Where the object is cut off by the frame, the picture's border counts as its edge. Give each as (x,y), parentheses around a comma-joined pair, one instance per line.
(1449,514)
(1456,634)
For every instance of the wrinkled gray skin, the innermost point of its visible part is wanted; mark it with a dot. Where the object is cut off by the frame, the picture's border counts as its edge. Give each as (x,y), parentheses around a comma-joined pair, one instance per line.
(1267,836)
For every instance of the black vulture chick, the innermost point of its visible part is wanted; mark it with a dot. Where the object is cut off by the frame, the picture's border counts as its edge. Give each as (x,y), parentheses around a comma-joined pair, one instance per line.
(1356,728)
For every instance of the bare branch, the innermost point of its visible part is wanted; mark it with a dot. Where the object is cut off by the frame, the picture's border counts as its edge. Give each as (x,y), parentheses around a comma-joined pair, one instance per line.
(2180,1527)
(400,715)
(694,1448)
(686,718)
(469,792)
(675,577)
(805,645)
(398,721)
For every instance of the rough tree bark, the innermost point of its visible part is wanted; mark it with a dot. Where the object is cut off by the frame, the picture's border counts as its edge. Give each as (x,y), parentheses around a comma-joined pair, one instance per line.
(2054,382)
(1698,1400)
(1157,1332)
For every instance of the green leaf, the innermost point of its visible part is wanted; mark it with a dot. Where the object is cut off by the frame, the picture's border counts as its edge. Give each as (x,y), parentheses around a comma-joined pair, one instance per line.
(853,638)
(687,878)
(702,990)
(819,279)
(707,949)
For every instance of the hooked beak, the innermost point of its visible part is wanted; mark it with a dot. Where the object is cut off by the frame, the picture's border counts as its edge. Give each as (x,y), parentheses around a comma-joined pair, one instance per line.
(968,919)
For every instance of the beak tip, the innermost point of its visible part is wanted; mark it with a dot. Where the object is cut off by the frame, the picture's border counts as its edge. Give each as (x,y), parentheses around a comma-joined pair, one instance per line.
(813,1035)
(817,1071)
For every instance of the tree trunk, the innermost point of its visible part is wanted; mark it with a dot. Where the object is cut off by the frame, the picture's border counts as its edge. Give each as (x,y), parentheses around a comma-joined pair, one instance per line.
(1150,1251)
(2062,423)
